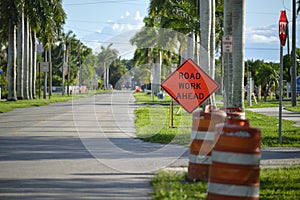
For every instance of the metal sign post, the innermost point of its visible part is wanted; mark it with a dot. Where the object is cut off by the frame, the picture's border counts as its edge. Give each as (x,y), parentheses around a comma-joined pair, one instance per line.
(283,32)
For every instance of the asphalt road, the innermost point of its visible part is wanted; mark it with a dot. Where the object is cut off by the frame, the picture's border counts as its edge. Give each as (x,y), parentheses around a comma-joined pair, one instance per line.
(82,149)
(85,149)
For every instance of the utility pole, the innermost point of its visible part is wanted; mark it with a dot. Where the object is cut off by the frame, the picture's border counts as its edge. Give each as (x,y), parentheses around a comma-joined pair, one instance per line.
(294,67)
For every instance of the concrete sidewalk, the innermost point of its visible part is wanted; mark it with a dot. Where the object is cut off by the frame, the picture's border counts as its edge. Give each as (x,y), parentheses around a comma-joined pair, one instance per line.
(274,112)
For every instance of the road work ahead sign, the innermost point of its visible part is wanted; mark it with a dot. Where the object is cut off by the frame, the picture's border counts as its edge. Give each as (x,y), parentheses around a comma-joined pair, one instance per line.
(189,85)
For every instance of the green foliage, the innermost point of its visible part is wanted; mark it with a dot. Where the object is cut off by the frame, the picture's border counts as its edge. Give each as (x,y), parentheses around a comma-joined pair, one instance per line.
(264,74)
(117,70)
(277,184)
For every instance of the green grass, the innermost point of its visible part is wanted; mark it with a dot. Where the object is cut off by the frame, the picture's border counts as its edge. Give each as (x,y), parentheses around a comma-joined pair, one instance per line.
(281,183)
(293,108)
(285,103)
(153,125)
(7,106)
(143,98)
(269,129)
(275,184)
(168,185)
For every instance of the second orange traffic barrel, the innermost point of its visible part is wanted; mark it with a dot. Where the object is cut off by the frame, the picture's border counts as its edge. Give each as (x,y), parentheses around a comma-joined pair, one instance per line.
(202,141)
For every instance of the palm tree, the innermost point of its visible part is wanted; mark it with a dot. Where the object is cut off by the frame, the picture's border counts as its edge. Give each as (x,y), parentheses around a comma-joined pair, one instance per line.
(228,70)
(165,24)
(20,56)
(205,26)
(45,19)
(9,15)
(207,41)
(238,15)
(105,58)
(26,60)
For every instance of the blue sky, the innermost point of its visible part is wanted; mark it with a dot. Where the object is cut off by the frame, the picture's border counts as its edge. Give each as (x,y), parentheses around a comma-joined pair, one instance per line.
(95,21)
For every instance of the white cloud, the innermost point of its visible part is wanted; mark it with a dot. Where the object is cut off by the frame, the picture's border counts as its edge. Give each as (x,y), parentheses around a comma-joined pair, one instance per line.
(255,38)
(115,26)
(138,16)
(128,22)
(261,35)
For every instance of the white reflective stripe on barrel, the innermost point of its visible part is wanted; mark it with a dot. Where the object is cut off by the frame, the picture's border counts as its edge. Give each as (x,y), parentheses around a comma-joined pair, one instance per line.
(199,159)
(198,117)
(203,135)
(233,190)
(235,158)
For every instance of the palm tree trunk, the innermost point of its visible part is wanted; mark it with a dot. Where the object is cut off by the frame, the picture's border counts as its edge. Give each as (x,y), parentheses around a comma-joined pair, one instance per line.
(191,48)
(205,24)
(20,56)
(228,69)
(238,13)
(30,64)
(33,66)
(11,64)
(212,48)
(26,59)
(50,70)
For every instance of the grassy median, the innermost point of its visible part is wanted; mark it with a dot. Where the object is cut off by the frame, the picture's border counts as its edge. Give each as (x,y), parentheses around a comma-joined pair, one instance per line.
(7,106)
(153,124)
(281,183)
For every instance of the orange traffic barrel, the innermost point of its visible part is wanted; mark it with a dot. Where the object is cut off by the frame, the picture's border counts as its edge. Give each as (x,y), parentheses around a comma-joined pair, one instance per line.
(234,172)
(202,141)
(233,112)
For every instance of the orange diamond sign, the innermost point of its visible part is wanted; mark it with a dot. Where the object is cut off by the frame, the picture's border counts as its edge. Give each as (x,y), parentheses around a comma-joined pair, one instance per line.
(189,85)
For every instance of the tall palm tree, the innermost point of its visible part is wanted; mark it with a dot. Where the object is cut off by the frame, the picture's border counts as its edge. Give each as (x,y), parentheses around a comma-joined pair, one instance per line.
(228,69)
(238,15)
(20,56)
(42,16)
(207,39)
(45,19)
(213,47)
(105,58)
(26,60)
(205,32)
(9,16)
